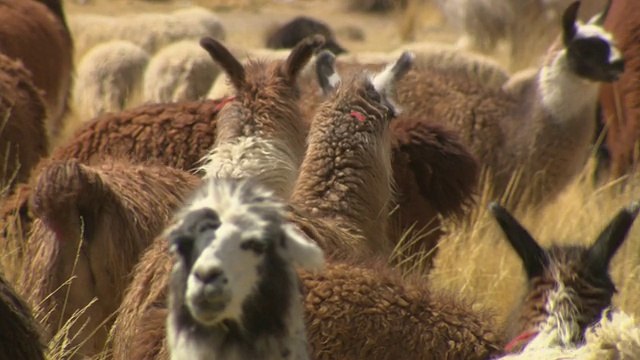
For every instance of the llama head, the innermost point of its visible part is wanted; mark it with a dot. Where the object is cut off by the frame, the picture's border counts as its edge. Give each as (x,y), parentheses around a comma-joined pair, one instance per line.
(591,50)
(264,80)
(371,93)
(234,247)
(568,286)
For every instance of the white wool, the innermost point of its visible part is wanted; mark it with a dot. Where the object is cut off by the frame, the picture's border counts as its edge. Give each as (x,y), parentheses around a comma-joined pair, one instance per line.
(180,71)
(615,336)
(151,31)
(107,76)
(267,161)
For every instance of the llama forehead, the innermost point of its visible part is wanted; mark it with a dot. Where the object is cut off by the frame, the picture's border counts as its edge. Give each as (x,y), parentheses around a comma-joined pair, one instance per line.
(590,31)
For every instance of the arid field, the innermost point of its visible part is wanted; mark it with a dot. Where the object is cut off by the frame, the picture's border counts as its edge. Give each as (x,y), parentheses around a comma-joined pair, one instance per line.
(474,260)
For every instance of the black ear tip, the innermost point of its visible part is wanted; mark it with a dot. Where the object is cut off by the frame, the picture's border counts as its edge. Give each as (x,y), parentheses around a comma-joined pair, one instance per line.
(208,43)
(495,208)
(316,41)
(326,57)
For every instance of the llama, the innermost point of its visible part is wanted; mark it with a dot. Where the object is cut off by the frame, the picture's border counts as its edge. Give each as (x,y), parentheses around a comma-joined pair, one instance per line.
(109,77)
(20,336)
(568,286)
(23,135)
(179,72)
(526,25)
(290,34)
(91,224)
(353,310)
(620,101)
(36,33)
(259,131)
(150,31)
(349,154)
(533,127)
(220,310)
(615,336)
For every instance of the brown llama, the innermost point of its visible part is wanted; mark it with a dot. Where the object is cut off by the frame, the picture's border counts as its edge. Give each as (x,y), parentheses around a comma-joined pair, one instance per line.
(346,173)
(533,125)
(20,333)
(35,31)
(23,135)
(91,224)
(353,310)
(259,131)
(568,286)
(297,29)
(620,101)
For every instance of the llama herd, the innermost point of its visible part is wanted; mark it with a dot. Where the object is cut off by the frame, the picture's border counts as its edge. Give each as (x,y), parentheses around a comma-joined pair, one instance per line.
(261,223)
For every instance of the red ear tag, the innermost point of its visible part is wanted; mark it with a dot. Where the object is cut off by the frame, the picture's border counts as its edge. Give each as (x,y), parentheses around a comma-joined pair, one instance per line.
(223,103)
(357,115)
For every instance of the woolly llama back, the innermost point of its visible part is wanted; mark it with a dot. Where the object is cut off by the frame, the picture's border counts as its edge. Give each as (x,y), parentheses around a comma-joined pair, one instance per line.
(234,293)
(179,71)
(108,77)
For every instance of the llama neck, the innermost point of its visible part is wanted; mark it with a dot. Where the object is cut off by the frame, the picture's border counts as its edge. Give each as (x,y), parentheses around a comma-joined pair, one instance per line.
(343,167)
(565,96)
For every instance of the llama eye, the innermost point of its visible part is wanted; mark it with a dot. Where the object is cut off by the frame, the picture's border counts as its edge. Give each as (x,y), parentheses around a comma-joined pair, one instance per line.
(254,245)
(207,224)
(182,244)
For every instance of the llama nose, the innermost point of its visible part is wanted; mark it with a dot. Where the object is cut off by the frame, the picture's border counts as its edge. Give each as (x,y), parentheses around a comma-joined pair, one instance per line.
(209,275)
(618,66)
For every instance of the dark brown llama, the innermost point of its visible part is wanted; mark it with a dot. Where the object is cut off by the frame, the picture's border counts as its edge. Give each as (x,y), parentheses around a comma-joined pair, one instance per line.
(91,224)
(20,333)
(23,134)
(568,286)
(35,32)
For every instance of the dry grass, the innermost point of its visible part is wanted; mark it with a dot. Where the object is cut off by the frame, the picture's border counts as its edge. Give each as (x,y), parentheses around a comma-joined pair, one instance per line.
(476,260)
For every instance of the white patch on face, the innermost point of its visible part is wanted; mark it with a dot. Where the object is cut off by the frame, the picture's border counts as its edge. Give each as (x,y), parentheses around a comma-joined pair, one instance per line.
(239,268)
(334,80)
(590,30)
(383,80)
(561,326)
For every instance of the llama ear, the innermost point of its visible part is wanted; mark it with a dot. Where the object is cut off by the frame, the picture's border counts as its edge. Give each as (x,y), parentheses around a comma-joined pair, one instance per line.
(599,19)
(328,77)
(569,17)
(301,54)
(297,248)
(66,191)
(221,55)
(610,239)
(387,78)
(533,256)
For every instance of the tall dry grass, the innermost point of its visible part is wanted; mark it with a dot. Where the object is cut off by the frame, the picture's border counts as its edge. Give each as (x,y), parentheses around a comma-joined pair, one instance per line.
(475,260)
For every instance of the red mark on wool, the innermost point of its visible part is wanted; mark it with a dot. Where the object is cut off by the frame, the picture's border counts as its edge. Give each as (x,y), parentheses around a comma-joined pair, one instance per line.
(525,336)
(223,103)
(357,115)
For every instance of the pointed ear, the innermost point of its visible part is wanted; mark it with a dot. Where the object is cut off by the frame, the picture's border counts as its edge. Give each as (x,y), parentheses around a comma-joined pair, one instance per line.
(610,239)
(599,19)
(296,248)
(569,18)
(328,77)
(533,257)
(387,78)
(221,55)
(301,54)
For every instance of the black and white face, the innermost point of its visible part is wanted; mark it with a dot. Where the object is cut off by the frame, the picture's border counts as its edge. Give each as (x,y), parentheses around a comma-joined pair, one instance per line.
(593,55)
(226,252)
(591,50)
(224,262)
